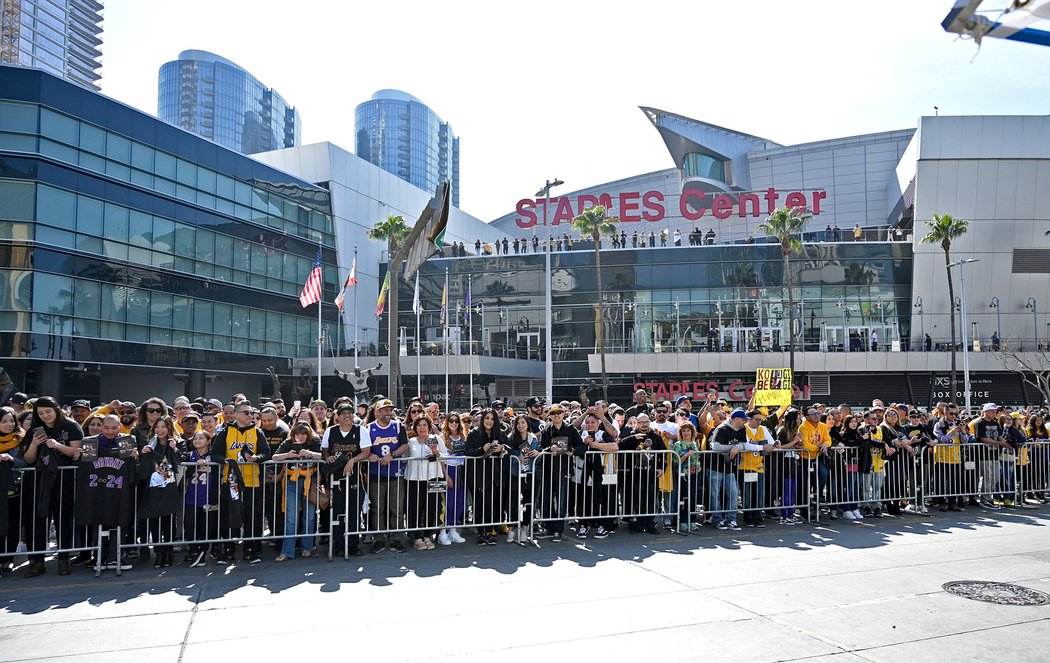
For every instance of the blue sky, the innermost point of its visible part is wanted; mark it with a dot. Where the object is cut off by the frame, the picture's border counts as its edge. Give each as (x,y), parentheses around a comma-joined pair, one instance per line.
(551,89)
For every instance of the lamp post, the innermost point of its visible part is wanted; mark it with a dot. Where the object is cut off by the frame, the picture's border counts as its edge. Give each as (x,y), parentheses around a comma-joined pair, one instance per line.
(1035,320)
(998,321)
(548,336)
(922,323)
(962,315)
(504,318)
(625,306)
(718,307)
(677,326)
(882,315)
(841,303)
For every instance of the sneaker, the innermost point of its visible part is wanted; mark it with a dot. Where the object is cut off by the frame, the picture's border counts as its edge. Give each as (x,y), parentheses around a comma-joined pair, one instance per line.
(123,565)
(456,536)
(490,539)
(877,513)
(556,538)
(601,532)
(420,544)
(582,532)
(221,558)
(911,508)
(510,536)
(848,515)
(858,515)
(197,559)
(722,525)
(429,543)
(651,529)
(1008,502)
(378,547)
(443,539)
(748,524)
(482,539)
(733,526)
(81,559)
(542,533)
(997,502)
(760,524)
(836,514)
(397,546)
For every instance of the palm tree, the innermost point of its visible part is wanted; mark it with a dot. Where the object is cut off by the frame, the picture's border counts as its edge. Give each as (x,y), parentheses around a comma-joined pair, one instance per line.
(786,225)
(943,229)
(393,231)
(594,223)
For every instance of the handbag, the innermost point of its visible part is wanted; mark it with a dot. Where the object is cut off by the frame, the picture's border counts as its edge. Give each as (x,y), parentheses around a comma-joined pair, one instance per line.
(319,496)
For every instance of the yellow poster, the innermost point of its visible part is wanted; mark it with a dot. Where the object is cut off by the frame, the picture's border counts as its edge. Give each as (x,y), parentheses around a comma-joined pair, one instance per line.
(773,386)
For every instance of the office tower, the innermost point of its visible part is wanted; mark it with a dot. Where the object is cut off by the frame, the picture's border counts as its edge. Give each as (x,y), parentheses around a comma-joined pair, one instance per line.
(212,97)
(58,36)
(401,135)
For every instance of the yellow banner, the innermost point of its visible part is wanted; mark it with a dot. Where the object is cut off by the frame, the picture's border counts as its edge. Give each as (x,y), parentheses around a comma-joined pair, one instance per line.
(773,386)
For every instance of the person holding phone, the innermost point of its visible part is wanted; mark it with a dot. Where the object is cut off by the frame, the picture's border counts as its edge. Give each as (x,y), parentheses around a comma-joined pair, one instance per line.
(425,450)
(53,443)
(300,515)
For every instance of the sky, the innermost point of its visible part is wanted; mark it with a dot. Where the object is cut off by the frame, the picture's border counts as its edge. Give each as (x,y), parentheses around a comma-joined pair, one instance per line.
(543,90)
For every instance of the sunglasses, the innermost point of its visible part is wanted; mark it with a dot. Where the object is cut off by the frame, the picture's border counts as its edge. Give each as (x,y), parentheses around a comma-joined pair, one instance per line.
(181,407)
(453,421)
(154,410)
(127,412)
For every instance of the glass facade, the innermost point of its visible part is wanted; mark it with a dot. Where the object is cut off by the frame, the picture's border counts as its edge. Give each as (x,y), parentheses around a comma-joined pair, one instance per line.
(401,135)
(125,240)
(214,98)
(685,299)
(59,36)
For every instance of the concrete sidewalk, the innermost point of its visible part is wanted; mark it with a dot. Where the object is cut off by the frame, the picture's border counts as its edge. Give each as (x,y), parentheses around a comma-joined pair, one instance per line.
(855,591)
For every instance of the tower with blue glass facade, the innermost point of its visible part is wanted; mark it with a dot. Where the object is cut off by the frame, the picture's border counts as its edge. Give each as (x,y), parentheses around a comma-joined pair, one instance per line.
(401,135)
(62,37)
(212,97)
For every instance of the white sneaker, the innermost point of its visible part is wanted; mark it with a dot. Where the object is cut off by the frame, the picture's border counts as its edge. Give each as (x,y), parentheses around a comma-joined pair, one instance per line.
(848,515)
(858,515)
(510,536)
(456,536)
(443,539)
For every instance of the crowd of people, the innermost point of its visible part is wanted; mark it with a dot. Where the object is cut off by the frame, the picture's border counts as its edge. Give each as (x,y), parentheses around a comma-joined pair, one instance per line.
(205,477)
(566,242)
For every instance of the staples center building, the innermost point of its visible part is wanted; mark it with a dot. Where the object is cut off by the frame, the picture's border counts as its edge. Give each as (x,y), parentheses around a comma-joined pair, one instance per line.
(871,304)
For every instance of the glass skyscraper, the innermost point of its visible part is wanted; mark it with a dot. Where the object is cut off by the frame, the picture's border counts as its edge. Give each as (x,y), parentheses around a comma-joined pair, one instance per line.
(212,97)
(58,36)
(128,244)
(401,135)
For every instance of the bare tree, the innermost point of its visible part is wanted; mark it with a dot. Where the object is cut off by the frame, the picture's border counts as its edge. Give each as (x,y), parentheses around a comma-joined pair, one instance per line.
(1033,367)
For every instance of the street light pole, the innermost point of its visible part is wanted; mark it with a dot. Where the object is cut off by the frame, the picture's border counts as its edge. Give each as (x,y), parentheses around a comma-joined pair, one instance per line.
(1035,321)
(962,315)
(547,300)
(922,323)
(845,331)
(998,321)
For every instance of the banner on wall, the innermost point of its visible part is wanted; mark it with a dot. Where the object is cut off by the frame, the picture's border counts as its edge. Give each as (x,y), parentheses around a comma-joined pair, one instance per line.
(773,386)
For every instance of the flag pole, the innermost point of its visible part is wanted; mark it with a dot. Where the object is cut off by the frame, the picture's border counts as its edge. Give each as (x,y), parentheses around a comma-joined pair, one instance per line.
(355,312)
(320,335)
(445,304)
(419,358)
(470,351)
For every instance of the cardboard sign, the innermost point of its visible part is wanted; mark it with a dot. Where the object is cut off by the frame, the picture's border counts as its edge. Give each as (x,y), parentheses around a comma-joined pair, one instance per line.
(773,387)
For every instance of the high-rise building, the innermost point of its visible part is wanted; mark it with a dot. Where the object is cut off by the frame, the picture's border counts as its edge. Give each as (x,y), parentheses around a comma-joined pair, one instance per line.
(212,97)
(58,36)
(401,135)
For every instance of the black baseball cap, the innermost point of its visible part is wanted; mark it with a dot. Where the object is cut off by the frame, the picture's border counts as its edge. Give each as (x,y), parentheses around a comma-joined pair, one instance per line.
(82,403)
(533,401)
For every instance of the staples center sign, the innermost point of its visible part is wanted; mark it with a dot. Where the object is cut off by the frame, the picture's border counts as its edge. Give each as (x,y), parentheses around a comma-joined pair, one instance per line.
(634,206)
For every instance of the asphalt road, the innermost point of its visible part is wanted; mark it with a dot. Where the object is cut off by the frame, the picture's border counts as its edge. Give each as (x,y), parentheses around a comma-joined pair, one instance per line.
(842,591)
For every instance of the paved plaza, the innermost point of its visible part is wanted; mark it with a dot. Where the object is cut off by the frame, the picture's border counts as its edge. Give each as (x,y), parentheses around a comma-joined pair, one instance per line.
(843,591)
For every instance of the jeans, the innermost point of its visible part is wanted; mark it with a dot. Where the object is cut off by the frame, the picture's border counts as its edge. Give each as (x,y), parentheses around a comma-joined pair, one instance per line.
(873,488)
(299,516)
(719,481)
(852,491)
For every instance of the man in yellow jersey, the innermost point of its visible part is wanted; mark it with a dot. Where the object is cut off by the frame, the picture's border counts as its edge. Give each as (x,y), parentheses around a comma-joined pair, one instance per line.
(816,440)
(243,443)
(752,464)
(950,434)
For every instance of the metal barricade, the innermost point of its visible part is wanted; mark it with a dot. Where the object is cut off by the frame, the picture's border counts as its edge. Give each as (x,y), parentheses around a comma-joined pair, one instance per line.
(1033,473)
(868,481)
(274,501)
(995,476)
(427,498)
(40,507)
(717,486)
(599,489)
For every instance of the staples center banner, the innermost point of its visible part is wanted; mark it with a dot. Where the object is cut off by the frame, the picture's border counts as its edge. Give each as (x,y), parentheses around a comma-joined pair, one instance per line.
(773,386)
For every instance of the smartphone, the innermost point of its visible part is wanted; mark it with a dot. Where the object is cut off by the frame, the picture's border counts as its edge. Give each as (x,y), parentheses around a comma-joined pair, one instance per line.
(297,405)
(38,431)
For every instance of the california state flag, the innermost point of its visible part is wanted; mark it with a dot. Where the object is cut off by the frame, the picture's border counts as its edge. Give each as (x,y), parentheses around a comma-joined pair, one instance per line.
(350,280)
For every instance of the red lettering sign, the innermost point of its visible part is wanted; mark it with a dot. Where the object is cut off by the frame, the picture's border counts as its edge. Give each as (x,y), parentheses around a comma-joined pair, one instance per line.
(634,207)
(730,389)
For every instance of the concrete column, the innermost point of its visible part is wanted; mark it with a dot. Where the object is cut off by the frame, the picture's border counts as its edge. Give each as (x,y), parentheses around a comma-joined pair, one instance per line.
(52,380)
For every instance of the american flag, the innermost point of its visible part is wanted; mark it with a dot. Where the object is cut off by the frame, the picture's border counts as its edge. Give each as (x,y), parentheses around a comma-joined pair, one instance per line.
(312,288)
